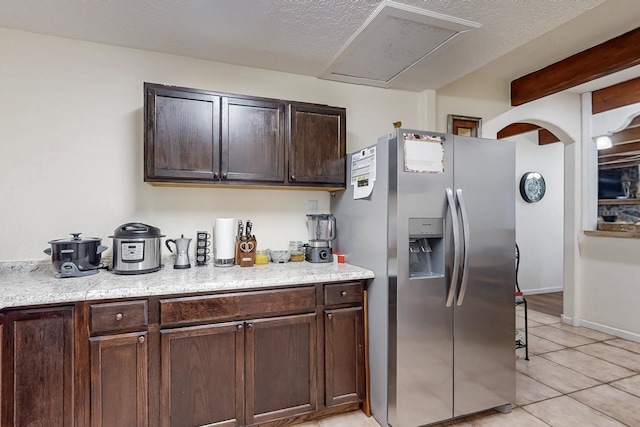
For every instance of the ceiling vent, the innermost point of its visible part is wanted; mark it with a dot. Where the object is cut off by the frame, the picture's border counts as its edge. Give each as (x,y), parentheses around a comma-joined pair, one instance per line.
(393,39)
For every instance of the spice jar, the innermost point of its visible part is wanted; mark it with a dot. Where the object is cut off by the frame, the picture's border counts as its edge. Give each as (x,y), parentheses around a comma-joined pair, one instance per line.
(262,257)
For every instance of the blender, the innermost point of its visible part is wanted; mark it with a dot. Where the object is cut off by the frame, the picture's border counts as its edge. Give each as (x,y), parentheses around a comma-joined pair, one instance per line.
(322,229)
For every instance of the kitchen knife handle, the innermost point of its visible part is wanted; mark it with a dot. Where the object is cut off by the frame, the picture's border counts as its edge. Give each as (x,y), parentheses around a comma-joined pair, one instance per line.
(465,247)
(451,204)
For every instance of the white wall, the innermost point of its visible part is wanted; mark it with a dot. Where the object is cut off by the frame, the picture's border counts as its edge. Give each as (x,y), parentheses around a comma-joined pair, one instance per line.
(539,226)
(71,142)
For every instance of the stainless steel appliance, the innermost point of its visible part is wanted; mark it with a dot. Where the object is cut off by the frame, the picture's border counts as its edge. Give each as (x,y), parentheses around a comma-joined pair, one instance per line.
(182,251)
(136,249)
(438,230)
(322,230)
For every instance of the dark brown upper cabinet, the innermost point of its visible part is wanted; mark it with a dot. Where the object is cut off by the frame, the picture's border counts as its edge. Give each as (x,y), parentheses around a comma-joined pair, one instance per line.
(317,145)
(182,135)
(252,140)
(195,136)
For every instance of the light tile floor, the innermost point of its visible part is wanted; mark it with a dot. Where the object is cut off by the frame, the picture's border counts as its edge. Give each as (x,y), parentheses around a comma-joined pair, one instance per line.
(574,377)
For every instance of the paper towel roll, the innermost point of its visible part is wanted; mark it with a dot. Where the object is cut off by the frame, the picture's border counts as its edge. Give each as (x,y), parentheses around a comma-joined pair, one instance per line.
(224,238)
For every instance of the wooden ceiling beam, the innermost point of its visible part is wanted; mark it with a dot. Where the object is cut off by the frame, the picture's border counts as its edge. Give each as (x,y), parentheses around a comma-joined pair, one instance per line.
(626,135)
(516,129)
(606,58)
(615,96)
(619,149)
(544,136)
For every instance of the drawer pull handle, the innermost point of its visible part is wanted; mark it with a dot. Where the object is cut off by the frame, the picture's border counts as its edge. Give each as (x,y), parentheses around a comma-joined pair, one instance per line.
(141,339)
(119,316)
(344,294)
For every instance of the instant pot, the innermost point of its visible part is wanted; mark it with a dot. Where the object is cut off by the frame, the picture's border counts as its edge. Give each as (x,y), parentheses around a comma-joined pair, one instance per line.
(136,249)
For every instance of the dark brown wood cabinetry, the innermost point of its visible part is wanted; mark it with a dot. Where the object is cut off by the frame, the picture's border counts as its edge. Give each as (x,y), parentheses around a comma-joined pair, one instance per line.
(119,364)
(182,135)
(38,367)
(344,343)
(257,357)
(119,380)
(195,136)
(317,147)
(202,375)
(280,368)
(253,140)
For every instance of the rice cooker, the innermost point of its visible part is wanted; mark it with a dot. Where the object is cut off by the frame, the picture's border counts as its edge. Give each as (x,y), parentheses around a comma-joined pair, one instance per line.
(136,249)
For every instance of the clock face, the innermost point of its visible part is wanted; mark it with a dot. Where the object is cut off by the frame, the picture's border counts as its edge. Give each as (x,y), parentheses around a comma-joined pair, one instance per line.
(532,187)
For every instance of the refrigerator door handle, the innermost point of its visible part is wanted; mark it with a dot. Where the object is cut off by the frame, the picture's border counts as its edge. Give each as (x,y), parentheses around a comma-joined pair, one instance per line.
(465,246)
(451,204)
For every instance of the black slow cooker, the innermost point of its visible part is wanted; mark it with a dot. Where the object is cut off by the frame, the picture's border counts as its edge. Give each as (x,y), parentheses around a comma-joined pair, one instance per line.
(76,256)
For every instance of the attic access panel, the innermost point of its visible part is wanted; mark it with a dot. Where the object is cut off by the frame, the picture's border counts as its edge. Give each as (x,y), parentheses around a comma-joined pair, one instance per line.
(392,40)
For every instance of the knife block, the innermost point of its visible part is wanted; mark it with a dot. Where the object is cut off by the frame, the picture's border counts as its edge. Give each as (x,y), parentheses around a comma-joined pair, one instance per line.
(246,259)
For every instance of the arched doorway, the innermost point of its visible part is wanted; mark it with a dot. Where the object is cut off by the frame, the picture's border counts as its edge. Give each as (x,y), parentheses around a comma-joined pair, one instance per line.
(540,225)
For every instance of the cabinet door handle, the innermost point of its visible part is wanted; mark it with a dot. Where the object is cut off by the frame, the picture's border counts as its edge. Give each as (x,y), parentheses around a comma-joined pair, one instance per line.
(293,178)
(329,316)
(216,175)
(249,325)
(224,175)
(343,294)
(141,339)
(239,327)
(119,316)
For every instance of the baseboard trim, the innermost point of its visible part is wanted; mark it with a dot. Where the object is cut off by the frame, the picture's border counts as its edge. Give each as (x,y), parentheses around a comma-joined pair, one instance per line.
(621,333)
(541,291)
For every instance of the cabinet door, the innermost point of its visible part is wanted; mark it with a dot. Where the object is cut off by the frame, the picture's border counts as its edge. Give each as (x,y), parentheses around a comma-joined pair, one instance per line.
(344,355)
(280,367)
(119,380)
(252,140)
(201,376)
(38,368)
(182,135)
(317,139)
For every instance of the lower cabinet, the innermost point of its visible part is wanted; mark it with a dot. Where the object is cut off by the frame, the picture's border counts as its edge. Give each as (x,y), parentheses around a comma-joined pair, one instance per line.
(238,373)
(119,364)
(119,380)
(201,379)
(38,366)
(258,357)
(344,356)
(280,367)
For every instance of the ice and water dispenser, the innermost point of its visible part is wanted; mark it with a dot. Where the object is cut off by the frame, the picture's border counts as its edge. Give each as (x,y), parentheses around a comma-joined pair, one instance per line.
(426,247)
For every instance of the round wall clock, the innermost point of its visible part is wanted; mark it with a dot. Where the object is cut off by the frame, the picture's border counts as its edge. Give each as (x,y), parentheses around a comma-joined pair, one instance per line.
(532,187)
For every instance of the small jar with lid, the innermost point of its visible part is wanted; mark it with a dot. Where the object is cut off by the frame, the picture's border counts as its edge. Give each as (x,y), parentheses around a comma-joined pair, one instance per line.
(296,248)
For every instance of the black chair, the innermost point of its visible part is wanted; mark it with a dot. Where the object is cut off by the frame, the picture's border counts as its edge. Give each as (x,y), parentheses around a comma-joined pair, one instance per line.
(521,300)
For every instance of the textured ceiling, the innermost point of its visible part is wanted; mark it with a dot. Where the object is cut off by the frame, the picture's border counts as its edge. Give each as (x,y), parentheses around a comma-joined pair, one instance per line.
(304,36)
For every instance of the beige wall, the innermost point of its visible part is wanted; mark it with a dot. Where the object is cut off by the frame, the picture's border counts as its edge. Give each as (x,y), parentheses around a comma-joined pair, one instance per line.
(71,141)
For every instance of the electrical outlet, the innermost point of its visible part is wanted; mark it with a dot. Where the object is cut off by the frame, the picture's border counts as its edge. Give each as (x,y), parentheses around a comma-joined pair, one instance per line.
(312,206)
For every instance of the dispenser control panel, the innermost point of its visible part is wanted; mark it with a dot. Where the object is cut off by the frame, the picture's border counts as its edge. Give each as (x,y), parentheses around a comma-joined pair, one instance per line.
(426,227)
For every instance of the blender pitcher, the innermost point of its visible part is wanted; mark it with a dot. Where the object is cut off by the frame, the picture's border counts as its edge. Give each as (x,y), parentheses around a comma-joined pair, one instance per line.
(322,229)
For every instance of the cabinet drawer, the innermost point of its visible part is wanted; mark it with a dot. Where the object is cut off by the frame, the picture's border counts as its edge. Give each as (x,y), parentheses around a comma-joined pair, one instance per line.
(117,316)
(343,293)
(175,311)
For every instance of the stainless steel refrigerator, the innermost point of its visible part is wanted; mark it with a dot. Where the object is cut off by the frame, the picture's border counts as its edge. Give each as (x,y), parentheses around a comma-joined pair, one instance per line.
(438,230)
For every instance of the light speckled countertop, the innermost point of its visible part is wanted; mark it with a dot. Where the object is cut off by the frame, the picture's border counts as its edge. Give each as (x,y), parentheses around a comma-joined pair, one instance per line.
(33,283)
